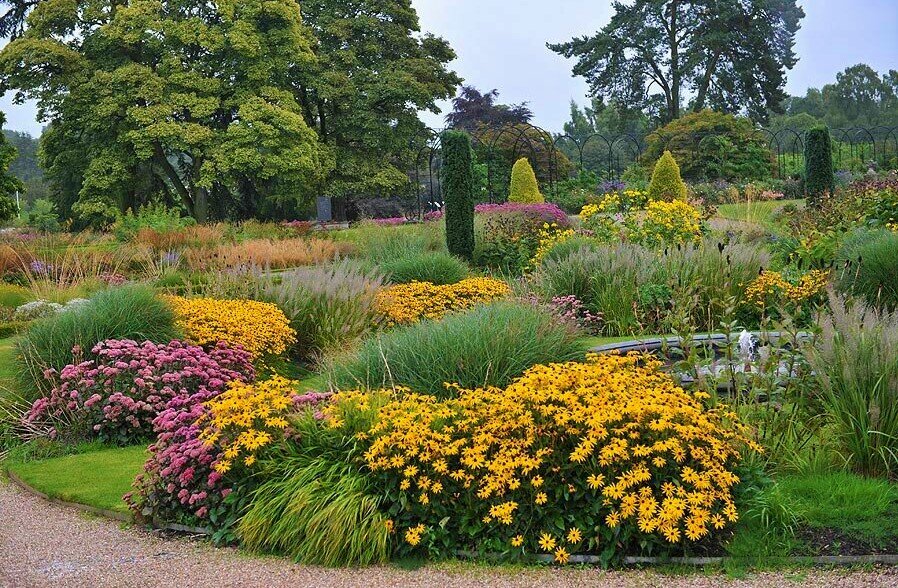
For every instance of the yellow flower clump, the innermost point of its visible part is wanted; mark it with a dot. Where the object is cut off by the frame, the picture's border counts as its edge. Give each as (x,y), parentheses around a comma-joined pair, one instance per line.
(260,328)
(771,287)
(549,236)
(614,433)
(409,303)
(245,418)
(670,223)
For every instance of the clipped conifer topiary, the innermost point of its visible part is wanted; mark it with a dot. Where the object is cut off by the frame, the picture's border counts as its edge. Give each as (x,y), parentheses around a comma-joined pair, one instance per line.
(524,188)
(666,182)
(819,176)
(458,193)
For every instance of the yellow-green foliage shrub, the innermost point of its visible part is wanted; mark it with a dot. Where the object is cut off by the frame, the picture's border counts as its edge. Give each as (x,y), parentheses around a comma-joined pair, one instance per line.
(666,181)
(524,187)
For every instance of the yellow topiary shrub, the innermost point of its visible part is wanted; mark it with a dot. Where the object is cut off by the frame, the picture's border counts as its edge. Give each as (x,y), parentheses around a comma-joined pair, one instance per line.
(666,182)
(260,328)
(524,187)
(409,303)
(572,457)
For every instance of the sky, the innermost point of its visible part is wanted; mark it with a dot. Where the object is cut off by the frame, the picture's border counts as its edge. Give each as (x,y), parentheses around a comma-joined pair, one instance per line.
(501,44)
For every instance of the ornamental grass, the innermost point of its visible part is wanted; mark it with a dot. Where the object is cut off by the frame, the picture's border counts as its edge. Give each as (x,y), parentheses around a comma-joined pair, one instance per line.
(409,303)
(268,253)
(261,328)
(595,457)
(487,345)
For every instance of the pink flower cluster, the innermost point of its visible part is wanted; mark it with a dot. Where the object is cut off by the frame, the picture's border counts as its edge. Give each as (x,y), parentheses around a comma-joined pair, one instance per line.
(389,222)
(542,213)
(117,395)
(571,309)
(433,215)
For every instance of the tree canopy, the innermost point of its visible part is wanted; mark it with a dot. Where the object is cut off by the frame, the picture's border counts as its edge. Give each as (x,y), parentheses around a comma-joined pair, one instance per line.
(860,97)
(362,95)
(656,54)
(231,109)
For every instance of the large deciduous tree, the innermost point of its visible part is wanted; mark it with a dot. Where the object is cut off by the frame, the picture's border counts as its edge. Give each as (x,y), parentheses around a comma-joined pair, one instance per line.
(375,71)
(654,54)
(193,99)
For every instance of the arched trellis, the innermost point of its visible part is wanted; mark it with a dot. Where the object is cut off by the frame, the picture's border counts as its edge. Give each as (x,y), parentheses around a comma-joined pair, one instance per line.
(501,145)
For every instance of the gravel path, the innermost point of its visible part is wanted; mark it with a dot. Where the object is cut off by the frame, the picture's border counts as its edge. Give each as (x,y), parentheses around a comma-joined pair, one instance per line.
(46,545)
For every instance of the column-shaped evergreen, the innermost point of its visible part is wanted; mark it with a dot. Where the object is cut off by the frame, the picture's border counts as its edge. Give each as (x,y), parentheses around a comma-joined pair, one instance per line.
(458,193)
(819,176)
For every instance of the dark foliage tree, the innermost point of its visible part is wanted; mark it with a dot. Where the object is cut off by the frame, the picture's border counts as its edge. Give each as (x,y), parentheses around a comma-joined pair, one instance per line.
(819,176)
(472,109)
(458,192)
(12,19)
(729,56)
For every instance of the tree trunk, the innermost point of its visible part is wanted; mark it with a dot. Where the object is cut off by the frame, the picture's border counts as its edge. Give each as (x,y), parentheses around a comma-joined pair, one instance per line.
(201,205)
(674,106)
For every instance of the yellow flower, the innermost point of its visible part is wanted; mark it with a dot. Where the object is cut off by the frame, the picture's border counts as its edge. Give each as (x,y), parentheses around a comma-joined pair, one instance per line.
(595,481)
(536,481)
(517,540)
(574,536)
(413,534)
(237,419)
(562,556)
(546,542)
(541,498)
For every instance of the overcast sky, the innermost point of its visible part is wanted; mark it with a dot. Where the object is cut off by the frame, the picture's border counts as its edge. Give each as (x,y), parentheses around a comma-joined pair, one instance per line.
(502,44)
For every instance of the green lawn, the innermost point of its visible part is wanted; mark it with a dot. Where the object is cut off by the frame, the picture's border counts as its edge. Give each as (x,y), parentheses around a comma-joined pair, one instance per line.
(7,371)
(760,213)
(97,479)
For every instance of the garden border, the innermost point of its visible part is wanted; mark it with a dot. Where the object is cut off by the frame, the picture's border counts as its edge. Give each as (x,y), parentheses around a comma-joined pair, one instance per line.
(820,560)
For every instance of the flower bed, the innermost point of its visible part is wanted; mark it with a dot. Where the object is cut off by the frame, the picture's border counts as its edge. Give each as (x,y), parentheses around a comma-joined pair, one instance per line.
(409,303)
(594,457)
(259,327)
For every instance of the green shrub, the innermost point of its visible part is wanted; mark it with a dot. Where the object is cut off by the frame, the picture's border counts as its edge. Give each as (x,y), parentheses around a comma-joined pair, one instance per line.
(666,182)
(524,188)
(819,175)
(43,216)
(868,267)
(488,345)
(12,296)
(437,268)
(328,307)
(712,145)
(151,216)
(8,209)
(11,328)
(458,193)
(128,312)
(857,371)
